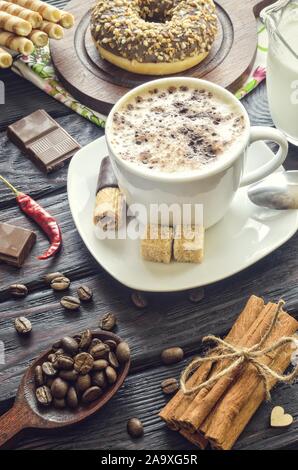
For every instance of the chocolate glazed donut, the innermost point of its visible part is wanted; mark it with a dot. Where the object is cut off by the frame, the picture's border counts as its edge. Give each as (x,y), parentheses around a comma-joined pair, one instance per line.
(154,37)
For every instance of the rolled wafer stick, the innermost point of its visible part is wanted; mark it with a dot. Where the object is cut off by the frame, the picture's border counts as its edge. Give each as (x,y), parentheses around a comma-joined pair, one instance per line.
(39,38)
(67,20)
(32,17)
(5,59)
(48,12)
(16,43)
(53,30)
(14,24)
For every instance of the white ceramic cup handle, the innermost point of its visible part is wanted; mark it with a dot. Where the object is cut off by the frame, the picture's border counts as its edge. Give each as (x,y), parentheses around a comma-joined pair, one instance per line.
(273,135)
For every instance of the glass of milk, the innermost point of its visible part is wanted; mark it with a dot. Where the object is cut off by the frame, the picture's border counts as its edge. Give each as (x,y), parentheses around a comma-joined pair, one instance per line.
(281,20)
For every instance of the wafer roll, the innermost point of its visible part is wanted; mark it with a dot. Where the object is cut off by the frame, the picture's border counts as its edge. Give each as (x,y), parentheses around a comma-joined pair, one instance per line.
(16,43)
(14,24)
(5,59)
(54,31)
(39,38)
(48,12)
(67,20)
(32,17)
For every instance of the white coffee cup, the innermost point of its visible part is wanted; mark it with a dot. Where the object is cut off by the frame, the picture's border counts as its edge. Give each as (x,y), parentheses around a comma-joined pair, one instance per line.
(215,185)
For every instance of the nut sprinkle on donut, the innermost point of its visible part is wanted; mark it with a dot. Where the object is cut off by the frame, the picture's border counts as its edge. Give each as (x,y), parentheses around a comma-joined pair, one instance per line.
(154,32)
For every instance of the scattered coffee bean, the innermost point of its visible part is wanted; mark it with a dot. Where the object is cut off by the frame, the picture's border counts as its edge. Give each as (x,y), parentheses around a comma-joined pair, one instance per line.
(69,375)
(48,369)
(60,283)
(111,375)
(18,290)
(196,295)
(92,394)
(172,355)
(135,428)
(85,293)
(64,362)
(83,383)
(100,364)
(23,325)
(72,398)
(169,386)
(113,360)
(70,303)
(83,363)
(85,340)
(99,350)
(99,379)
(51,276)
(111,343)
(43,395)
(108,322)
(69,345)
(59,388)
(59,403)
(38,375)
(123,352)
(139,299)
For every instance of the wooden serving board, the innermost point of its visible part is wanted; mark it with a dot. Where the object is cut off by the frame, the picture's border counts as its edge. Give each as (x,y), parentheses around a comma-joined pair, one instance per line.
(99,84)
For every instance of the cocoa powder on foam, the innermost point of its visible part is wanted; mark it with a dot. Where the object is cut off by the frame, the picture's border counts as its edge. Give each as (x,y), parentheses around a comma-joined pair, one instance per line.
(176,129)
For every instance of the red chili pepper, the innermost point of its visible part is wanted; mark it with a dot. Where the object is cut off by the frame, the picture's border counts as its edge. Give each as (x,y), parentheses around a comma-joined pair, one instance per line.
(41,217)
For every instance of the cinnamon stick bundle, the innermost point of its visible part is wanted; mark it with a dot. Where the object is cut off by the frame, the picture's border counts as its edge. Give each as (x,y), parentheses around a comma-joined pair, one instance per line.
(219,413)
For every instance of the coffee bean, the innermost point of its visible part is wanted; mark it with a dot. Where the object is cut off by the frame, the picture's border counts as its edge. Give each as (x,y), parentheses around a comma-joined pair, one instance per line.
(196,295)
(59,403)
(84,293)
(92,394)
(77,338)
(100,364)
(52,357)
(139,300)
(60,283)
(108,322)
(49,381)
(51,276)
(99,350)
(72,398)
(111,375)
(83,383)
(48,369)
(70,303)
(113,360)
(169,386)
(59,388)
(56,345)
(64,362)
(69,345)
(172,355)
(86,338)
(18,290)
(99,379)
(43,395)
(83,363)
(69,375)
(38,375)
(135,428)
(111,343)
(123,352)
(23,325)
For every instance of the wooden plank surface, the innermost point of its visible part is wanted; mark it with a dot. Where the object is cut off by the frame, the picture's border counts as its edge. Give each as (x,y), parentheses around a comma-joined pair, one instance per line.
(170,319)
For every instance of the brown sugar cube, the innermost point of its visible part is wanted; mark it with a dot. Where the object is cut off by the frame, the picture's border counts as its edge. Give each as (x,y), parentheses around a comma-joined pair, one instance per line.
(189,244)
(157,244)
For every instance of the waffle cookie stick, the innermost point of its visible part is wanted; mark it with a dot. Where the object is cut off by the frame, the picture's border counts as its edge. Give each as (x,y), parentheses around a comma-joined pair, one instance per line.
(157,244)
(54,31)
(32,17)
(39,38)
(16,43)
(67,20)
(109,204)
(189,244)
(14,24)
(5,59)
(48,12)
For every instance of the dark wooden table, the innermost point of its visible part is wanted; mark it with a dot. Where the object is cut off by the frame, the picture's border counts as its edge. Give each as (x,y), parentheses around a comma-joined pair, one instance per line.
(170,319)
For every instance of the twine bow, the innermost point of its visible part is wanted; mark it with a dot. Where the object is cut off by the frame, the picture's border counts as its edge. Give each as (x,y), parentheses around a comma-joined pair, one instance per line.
(241,355)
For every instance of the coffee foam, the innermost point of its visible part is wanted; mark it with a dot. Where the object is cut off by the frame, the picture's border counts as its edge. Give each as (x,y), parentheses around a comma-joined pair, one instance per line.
(176,129)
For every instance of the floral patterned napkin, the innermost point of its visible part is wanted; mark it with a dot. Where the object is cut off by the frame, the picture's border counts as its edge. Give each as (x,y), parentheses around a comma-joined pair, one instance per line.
(38,69)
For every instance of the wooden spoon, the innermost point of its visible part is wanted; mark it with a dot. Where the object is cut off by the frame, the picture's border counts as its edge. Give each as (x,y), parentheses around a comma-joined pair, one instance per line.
(26,413)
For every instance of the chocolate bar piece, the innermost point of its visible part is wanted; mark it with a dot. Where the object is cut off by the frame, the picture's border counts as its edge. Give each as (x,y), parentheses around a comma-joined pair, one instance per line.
(45,142)
(15,244)
(106,177)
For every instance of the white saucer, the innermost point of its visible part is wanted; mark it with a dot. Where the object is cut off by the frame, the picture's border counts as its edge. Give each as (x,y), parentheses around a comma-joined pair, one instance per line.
(242,238)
